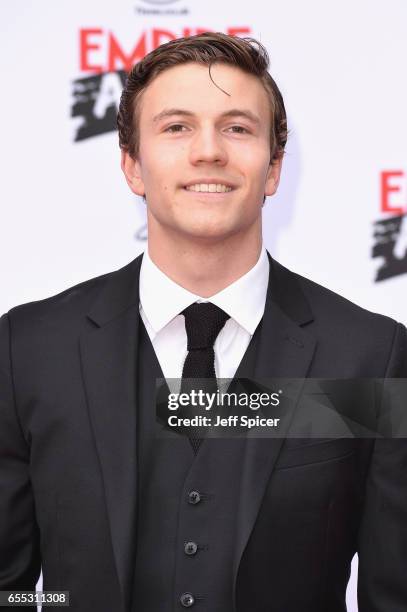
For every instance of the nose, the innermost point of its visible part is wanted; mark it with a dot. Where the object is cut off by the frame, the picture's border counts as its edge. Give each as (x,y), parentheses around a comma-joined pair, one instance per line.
(207,146)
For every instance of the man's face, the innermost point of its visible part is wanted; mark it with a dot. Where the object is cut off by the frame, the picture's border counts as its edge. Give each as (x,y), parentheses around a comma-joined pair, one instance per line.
(195,139)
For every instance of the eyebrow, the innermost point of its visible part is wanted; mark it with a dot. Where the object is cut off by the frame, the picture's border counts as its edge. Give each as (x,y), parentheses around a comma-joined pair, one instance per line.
(234,112)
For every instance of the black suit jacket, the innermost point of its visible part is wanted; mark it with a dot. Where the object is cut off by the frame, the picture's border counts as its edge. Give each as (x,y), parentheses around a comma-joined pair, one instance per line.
(68,455)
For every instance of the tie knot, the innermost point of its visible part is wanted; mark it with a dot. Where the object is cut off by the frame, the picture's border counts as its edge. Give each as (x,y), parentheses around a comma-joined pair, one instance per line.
(203,323)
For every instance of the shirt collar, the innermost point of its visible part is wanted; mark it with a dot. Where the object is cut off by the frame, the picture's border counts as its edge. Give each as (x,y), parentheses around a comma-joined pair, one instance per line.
(162,299)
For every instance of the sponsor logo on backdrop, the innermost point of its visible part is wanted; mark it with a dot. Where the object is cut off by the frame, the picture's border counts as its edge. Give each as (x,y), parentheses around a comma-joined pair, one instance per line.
(160,7)
(390,231)
(160,2)
(104,62)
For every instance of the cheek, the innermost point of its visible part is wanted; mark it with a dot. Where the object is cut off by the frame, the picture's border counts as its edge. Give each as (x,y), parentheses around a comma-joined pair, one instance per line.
(254,161)
(164,167)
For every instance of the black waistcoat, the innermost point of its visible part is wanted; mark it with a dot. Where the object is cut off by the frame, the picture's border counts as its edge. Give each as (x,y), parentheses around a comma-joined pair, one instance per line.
(186,505)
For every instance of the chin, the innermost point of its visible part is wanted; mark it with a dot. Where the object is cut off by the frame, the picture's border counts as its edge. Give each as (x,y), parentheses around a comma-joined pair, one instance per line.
(210,233)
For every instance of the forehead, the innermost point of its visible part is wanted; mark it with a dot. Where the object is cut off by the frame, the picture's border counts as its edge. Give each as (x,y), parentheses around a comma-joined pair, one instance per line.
(189,86)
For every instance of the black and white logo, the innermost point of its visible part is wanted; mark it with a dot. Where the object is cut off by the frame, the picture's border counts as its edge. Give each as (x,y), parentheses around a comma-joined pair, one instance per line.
(390,243)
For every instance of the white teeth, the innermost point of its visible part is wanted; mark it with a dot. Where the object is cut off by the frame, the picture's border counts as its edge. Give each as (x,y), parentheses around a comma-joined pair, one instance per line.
(211,187)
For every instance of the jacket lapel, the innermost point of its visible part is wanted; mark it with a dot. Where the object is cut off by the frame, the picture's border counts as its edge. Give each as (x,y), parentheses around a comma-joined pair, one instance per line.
(109,362)
(285,351)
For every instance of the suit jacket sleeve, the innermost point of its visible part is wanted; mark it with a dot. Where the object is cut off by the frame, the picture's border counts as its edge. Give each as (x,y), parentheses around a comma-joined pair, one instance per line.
(382,581)
(20,562)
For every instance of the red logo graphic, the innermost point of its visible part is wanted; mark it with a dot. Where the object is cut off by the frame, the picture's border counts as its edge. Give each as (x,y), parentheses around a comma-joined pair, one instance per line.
(100,50)
(390,232)
(392,185)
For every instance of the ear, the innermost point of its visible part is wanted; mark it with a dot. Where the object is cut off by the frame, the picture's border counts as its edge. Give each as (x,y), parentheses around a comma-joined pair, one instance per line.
(132,171)
(273,177)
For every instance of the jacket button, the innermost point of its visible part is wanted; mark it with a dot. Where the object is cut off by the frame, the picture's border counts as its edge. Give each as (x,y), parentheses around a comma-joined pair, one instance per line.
(187,600)
(190,548)
(194,497)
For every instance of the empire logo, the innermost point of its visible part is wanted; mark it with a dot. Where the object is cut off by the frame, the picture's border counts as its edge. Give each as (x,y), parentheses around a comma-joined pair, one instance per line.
(96,96)
(390,233)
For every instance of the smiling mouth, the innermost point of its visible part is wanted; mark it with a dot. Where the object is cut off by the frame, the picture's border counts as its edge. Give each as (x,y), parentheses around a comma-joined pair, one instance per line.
(208,188)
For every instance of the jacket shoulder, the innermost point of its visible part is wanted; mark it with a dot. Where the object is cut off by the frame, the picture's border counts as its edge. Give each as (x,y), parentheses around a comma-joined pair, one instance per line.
(345,332)
(73,299)
(329,306)
(68,305)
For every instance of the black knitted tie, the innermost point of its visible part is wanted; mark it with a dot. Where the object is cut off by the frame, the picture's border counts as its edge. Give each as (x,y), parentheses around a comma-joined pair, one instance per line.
(203,323)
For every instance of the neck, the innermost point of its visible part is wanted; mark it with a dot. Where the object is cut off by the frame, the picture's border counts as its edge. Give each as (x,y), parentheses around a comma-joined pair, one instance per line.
(205,266)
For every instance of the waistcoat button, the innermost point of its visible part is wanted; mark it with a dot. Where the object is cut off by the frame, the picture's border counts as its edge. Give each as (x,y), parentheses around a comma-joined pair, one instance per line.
(190,548)
(194,497)
(187,600)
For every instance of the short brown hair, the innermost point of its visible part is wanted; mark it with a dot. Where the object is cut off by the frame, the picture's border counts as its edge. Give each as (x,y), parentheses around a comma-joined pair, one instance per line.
(208,48)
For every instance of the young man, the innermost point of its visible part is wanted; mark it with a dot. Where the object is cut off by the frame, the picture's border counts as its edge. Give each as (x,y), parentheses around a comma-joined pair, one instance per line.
(127,521)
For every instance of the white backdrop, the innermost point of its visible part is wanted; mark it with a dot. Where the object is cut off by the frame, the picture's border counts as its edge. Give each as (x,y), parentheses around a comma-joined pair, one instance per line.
(67,214)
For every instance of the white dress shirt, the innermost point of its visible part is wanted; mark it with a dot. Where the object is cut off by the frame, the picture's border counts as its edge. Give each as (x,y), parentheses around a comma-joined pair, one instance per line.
(162,300)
